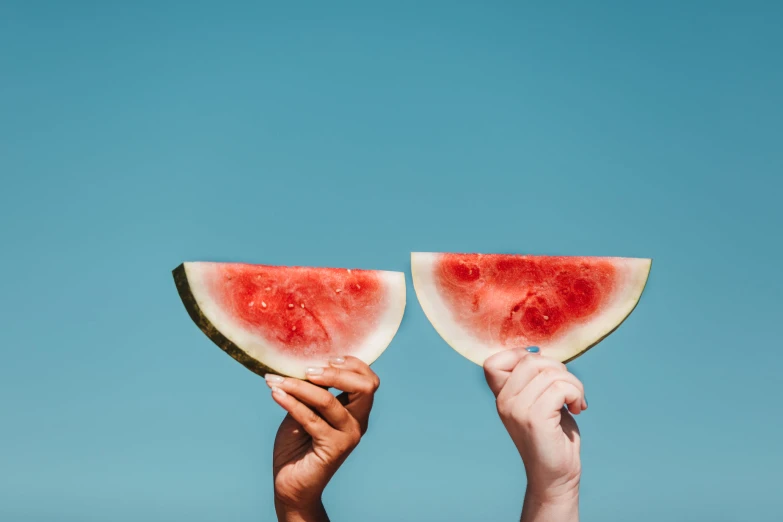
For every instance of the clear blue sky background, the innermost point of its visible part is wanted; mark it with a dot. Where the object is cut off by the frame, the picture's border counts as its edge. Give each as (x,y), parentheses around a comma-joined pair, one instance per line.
(133,137)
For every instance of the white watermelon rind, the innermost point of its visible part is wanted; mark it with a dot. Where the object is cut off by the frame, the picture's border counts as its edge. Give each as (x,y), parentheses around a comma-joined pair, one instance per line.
(261,357)
(576,342)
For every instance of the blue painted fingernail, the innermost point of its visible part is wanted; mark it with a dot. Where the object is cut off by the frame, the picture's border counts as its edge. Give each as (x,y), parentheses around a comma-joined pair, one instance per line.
(532,349)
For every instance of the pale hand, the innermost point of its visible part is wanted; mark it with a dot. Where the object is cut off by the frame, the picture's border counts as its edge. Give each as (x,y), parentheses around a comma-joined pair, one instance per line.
(536,398)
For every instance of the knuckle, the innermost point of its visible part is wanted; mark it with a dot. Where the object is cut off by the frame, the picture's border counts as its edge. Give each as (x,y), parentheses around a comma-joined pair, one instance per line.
(356,430)
(367,387)
(489,373)
(504,408)
(340,445)
(491,363)
(327,401)
(310,417)
(351,438)
(353,424)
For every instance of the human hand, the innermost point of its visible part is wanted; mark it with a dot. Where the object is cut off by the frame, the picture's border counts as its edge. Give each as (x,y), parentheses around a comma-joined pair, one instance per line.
(318,433)
(531,391)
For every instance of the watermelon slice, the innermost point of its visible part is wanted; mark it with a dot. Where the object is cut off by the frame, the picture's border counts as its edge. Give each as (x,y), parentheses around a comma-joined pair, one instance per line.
(277,319)
(481,304)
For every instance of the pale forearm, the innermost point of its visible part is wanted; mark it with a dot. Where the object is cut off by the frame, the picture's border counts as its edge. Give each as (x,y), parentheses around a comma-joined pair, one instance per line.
(562,509)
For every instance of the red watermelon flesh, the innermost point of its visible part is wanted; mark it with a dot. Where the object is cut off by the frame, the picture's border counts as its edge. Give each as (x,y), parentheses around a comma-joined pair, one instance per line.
(483,303)
(283,319)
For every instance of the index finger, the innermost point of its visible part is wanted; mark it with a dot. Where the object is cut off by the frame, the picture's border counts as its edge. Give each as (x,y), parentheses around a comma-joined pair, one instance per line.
(498,367)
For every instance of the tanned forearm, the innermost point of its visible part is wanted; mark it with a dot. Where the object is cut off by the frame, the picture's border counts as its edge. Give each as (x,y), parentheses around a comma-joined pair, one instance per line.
(314,513)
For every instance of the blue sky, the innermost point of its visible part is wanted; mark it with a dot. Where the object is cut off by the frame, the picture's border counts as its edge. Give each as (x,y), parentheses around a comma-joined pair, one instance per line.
(134,137)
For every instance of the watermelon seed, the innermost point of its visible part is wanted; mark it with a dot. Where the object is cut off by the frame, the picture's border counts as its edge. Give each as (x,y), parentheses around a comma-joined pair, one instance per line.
(263,304)
(338,290)
(290,305)
(546,318)
(293,329)
(250,303)
(358,287)
(302,305)
(349,270)
(268,288)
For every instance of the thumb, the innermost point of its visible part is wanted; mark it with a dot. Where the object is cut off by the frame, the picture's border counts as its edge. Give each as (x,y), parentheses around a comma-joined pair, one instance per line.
(498,367)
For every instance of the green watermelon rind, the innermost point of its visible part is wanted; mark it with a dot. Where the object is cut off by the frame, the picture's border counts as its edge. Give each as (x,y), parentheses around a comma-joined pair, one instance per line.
(259,355)
(206,326)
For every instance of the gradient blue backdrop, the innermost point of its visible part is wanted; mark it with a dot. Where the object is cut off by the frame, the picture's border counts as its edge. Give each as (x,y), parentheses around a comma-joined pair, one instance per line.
(136,135)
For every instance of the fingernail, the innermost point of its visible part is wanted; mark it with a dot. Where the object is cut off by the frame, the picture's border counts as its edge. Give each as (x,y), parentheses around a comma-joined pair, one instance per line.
(277,391)
(336,360)
(532,349)
(314,371)
(585,398)
(270,377)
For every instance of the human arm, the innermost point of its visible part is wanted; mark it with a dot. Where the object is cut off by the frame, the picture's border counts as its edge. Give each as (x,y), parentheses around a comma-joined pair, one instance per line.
(531,391)
(318,434)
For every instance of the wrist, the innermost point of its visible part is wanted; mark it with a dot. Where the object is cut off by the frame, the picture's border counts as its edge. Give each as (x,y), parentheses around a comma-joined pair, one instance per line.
(310,511)
(558,503)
